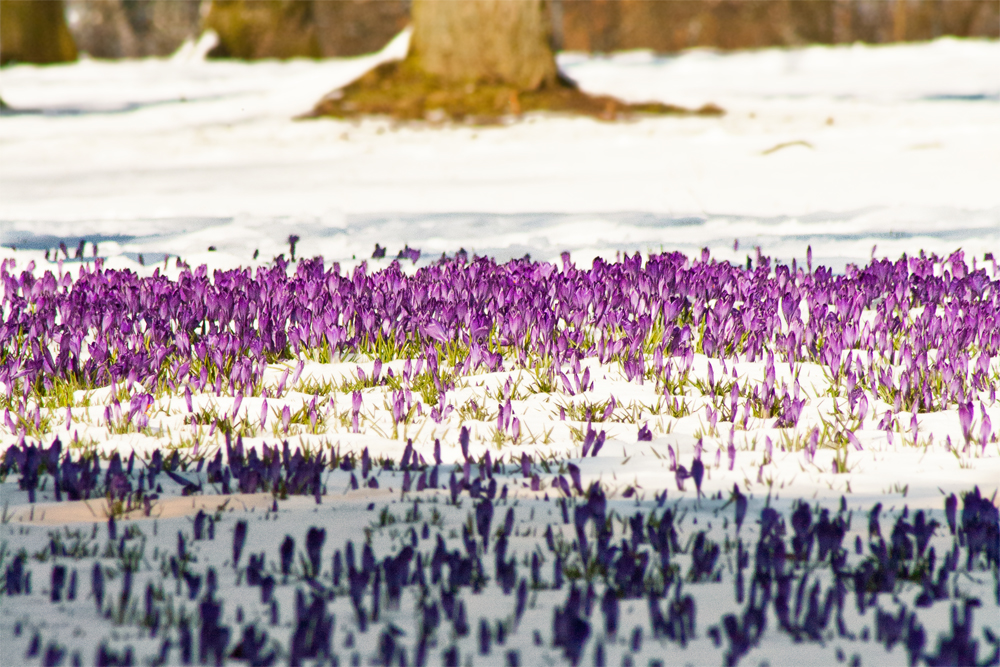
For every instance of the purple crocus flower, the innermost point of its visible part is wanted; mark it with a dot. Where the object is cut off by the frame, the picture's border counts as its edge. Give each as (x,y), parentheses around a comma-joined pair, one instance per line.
(574,473)
(463,441)
(697,473)
(96,585)
(57,583)
(239,539)
(315,537)
(950,509)
(985,429)
(741,507)
(680,475)
(853,440)
(965,415)
(484,518)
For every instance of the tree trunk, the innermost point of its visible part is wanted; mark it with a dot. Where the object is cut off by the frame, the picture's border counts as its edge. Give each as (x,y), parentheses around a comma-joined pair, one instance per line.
(492,41)
(34,31)
(252,29)
(356,27)
(132,29)
(477,61)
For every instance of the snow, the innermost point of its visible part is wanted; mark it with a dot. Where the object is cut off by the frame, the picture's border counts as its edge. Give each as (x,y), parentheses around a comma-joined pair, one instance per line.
(856,151)
(843,148)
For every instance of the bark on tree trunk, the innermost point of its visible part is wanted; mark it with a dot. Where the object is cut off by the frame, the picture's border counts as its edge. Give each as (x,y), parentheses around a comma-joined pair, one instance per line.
(252,29)
(34,31)
(494,41)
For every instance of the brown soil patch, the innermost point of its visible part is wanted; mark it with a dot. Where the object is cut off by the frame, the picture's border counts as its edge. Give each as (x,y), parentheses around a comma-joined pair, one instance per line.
(402,91)
(96,510)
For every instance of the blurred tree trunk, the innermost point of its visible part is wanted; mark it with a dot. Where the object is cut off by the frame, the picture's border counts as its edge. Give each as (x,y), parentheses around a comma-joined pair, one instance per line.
(477,61)
(493,41)
(355,27)
(251,29)
(133,28)
(34,31)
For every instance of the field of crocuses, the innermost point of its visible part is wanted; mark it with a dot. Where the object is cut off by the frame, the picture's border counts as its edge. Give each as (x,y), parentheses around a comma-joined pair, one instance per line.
(657,460)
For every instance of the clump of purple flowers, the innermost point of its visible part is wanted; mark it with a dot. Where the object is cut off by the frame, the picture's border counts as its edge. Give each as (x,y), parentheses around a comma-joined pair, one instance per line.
(217,333)
(800,583)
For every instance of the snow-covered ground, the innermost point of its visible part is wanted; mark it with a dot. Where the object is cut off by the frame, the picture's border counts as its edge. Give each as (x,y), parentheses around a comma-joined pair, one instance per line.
(843,148)
(853,152)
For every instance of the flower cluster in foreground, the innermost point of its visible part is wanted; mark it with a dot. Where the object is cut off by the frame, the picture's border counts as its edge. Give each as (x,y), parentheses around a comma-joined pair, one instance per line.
(602,408)
(432,581)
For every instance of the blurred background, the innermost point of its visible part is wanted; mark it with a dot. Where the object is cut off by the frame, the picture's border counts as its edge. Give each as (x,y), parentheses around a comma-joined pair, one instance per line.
(829,140)
(47,31)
